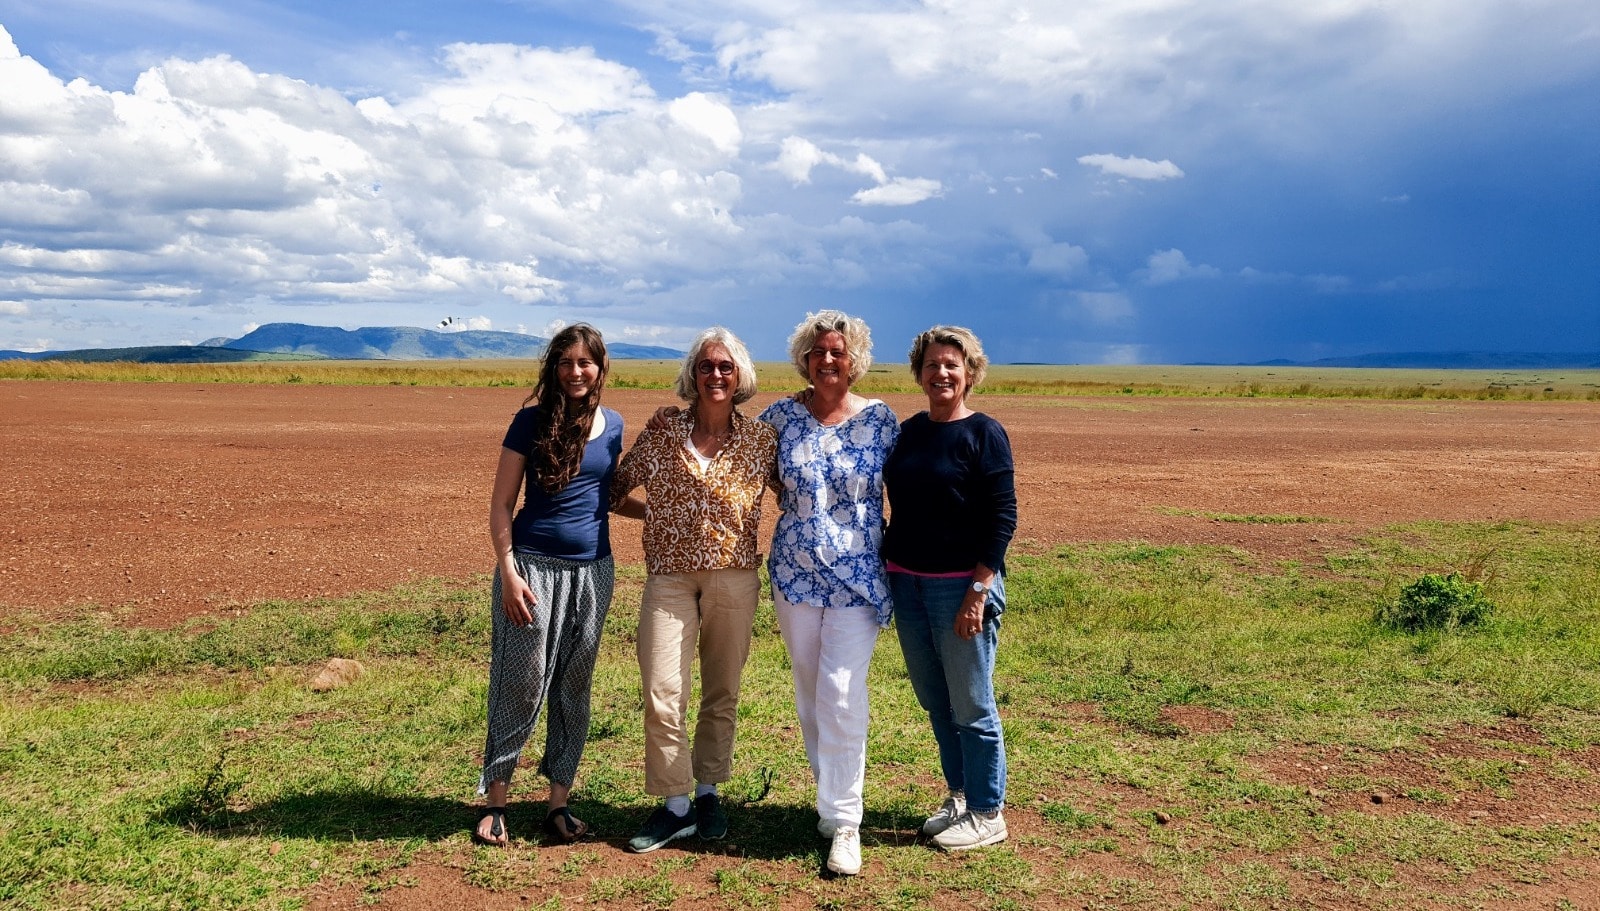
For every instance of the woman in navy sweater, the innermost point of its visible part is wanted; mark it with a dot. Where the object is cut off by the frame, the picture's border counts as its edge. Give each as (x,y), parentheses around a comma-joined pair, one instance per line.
(953,510)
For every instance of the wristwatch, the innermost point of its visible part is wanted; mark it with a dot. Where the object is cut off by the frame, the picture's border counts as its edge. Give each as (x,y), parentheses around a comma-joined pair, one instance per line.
(979,587)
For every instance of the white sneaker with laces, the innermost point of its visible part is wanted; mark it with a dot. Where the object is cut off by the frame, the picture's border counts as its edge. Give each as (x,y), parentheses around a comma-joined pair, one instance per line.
(973,830)
(844,857)
(949,812)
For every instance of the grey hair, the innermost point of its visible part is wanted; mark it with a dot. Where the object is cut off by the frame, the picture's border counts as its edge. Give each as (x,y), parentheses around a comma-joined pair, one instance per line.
(744,369)
(857,340)
(960,338)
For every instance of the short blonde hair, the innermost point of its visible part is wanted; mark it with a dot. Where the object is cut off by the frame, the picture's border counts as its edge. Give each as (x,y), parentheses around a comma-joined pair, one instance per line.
(744,369)
(857,340)
(960,338)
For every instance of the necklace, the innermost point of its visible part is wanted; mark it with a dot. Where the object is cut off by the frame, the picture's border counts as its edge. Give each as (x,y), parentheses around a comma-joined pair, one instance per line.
(843,414)
(705,438)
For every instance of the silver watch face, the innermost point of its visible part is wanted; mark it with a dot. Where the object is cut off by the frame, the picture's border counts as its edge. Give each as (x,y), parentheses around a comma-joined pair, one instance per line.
(979,587)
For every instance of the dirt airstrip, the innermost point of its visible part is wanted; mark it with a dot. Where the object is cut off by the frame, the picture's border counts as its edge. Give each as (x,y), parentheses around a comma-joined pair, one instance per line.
(159,502)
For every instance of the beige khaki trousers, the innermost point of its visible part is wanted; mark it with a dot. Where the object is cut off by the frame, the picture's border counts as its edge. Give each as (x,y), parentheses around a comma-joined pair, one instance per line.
(710,611)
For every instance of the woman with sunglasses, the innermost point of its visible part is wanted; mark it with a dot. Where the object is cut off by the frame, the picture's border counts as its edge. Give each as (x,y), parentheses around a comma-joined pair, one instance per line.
(703,473)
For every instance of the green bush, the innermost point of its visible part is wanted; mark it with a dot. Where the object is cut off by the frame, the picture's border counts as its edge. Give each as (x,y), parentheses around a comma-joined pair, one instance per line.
(1436,601)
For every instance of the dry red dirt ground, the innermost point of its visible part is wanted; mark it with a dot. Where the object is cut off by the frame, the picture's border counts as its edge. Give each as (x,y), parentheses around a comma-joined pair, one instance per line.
(160,503)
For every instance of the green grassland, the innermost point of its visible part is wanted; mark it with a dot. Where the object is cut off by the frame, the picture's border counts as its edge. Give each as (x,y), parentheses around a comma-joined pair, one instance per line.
(1004,379)
(1153,697)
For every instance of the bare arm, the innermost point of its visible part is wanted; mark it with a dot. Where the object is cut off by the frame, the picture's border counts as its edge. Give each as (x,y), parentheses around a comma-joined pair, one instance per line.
(661,420)
(517,600)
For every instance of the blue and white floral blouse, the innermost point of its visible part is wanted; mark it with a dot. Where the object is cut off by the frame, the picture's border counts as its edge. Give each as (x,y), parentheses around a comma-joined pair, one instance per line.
(825,548)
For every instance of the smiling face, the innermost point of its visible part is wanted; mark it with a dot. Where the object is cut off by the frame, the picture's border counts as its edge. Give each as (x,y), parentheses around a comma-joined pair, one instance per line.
(944,374)
(716,376)
(577,371)
(828,363)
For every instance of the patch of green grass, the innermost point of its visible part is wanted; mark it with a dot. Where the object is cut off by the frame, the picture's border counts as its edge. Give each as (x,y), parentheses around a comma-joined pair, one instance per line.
(1070,817)
(1149,693)
(424,618)
(1126,382)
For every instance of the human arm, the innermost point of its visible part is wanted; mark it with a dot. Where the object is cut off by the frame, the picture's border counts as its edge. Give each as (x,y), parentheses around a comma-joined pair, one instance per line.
(969,619)
(997,492)
(775,417)
(631,507)
(517,600)
(995,479)
(662,419)
(632,471)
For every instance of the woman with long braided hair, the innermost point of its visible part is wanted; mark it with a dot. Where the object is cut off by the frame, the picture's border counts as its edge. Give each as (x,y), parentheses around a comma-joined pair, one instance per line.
(553,576)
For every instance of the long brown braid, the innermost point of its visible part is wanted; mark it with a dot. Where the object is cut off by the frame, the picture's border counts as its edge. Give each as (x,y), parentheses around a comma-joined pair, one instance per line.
(563,430)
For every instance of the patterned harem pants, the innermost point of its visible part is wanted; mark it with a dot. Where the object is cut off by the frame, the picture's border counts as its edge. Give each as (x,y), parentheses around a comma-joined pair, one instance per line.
(549,660)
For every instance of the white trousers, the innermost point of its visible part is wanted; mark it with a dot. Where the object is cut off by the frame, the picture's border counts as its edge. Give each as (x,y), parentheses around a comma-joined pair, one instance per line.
(830,650)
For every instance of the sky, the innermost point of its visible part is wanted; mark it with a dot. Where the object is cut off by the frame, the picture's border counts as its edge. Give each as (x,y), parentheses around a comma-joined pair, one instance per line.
(1095,182)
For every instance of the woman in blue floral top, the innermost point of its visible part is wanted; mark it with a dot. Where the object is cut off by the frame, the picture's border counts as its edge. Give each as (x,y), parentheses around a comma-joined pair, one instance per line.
(828,581)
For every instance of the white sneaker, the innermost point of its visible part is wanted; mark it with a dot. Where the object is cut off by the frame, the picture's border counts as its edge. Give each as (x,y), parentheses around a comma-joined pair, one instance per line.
(844,857)
(827,827)
(949,812)
(973,830)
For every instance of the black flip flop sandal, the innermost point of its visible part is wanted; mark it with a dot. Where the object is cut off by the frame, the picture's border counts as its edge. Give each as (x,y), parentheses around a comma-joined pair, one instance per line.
(574,830)
(498,830)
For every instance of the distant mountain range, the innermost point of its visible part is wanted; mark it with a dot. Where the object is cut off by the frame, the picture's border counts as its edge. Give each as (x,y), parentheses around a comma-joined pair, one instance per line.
(1454,360)
(298,341)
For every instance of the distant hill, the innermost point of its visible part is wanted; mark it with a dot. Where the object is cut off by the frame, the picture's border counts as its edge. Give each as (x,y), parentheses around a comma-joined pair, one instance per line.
(156,354)
(407,343)
(1454,360)
(298,341)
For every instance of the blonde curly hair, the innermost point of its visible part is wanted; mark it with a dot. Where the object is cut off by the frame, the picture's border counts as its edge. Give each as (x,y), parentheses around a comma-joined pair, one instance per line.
(857,340)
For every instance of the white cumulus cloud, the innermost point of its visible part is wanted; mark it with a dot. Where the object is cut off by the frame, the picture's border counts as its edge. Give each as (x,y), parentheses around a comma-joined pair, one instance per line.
(1132,168)
(901,191)
(1172,265)
(1058,259)
(798,157)
(502,176)
(710,118)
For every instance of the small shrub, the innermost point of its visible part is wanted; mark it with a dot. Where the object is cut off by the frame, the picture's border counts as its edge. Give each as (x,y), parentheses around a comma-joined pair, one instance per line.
(1437,601)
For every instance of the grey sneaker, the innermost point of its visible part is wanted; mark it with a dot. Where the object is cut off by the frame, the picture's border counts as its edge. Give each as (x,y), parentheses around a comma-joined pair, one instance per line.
(949,812)
(662,826)
(973,830)
(844,858)
(709,820)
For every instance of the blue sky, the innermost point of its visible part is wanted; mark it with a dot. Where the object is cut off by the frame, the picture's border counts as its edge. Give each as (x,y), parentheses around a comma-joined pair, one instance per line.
(1132,181)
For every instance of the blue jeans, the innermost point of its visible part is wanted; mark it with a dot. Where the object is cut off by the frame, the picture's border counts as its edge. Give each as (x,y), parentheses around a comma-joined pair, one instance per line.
(954,681)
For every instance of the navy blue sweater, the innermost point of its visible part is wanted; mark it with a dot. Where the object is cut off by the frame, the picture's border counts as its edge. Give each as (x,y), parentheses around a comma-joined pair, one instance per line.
(952,495)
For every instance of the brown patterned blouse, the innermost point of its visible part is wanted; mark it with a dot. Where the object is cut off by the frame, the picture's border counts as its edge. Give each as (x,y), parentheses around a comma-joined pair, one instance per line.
(698,518)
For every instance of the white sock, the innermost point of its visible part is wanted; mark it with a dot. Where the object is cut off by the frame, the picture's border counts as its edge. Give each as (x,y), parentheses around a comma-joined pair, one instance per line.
(701,790)
(678,805)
